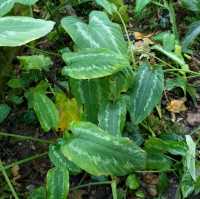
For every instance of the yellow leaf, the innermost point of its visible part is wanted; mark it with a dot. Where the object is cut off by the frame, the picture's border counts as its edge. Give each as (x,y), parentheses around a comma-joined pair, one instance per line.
(176,106)
(68,111)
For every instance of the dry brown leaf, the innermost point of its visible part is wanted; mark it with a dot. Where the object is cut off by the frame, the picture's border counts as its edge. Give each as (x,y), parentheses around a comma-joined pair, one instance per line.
(176,106)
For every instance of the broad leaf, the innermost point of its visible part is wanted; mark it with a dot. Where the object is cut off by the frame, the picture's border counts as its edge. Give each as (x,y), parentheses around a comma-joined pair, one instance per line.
(59,160)
(193,5)
(90,93)
(108,6)
(4,111)
(93,63)
(190,156)
(46,111)
(35,62)
(191,35)
(100,153)
(16,31)
(162,146)
(7,5)
(140,5)
(187,186)
(112,116)
(90,36)
(147,92)
(57,183)
(157,161)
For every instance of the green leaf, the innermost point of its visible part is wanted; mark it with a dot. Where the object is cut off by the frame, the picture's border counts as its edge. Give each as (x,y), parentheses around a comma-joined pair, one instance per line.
(59,160)
(190,156)
(193,5)
(162,146)
(140,5)
(177,59)
(93,63)
(100,153)
(146,93)
(191,35)
(108,6)
(35,62)
(26,2)
(4,111)
(158,162)
(57,183)
(91,94)
(46,111)
(90,36)
(187,186)
(38,193)
(7,5)
(16,31)
(112,116)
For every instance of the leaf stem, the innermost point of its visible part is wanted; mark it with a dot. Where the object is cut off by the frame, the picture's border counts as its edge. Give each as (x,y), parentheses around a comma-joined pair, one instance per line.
(114,188)
(8,181)
(90,184)
(22,137)
(129,41)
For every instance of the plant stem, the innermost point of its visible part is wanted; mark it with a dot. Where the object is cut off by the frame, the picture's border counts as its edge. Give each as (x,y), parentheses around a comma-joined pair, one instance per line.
(181,70)
(22,137)
(114,188)
(8,181)
(25,160)
(127,35)
(90,184)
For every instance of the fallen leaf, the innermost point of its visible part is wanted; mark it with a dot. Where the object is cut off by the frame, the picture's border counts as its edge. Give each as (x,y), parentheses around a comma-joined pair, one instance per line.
(176,106)
(68,111)
(193,118)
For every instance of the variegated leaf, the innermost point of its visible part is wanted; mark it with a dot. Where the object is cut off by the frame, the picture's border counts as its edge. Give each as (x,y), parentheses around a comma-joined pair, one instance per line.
(112,116)
(16,31)
(46,111)
(7,5)
(90,36)
(57,183)
(93,63)
(100,153)
(108,6)
(90,93)
(59,160)
(146,93)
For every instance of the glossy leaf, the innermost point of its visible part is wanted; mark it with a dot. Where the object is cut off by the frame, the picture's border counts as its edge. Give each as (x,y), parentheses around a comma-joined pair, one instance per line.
(147,92)
(158,162)
(93,63)
(91,94)
(112,116)
(191,35)
(59,160)
(57,183)
(38,193)
(7,5)
(46,111)
(187,186)
(140,5)
(162,146)
(4,111)
(16,31)
(100,153)
(108,6)
(193,5)
(190,156)
(90,36)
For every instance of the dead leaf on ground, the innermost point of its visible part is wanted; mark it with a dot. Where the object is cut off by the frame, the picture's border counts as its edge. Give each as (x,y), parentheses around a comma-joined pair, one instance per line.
(176,106)
(193,118)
